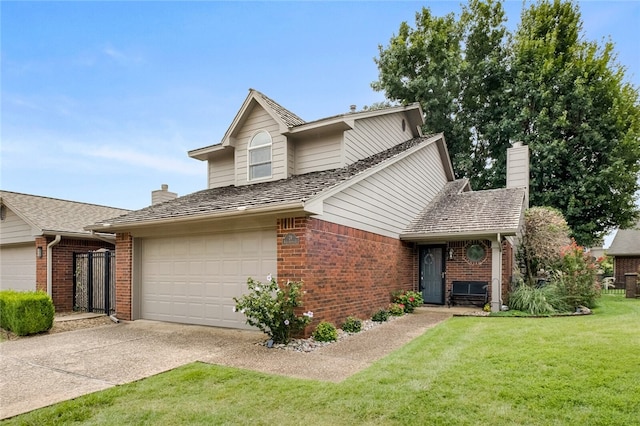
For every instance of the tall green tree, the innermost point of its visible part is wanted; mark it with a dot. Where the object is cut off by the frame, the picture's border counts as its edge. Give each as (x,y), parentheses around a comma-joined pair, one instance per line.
(565,97)
(579,118)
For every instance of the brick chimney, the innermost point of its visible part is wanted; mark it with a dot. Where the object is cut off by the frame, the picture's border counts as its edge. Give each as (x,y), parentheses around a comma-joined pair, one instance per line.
(162,195)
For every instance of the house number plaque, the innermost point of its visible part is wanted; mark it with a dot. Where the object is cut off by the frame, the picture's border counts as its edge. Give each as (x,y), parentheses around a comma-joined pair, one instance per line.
(290,240)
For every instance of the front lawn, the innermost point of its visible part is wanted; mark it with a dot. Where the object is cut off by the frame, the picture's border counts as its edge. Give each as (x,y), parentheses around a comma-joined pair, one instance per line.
(466,371)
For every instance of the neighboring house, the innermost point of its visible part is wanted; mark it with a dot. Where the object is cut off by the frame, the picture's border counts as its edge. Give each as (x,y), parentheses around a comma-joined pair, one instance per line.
(356,206)
(625,250)
(38,236)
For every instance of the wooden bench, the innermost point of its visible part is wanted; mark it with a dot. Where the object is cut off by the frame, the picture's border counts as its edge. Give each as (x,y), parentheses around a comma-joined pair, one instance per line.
(474,292)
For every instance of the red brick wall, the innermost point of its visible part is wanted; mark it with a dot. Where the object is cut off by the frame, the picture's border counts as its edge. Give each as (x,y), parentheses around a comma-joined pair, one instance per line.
(345,271)
(124,262)
(624,265)
(460,269)
(62,269)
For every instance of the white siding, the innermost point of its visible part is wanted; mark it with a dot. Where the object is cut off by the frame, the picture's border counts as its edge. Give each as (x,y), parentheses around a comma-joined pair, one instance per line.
(375,134)
(193,279)
(259,119)
(323,153)
(14,230)
(387,201)
(221,171)
(18,267)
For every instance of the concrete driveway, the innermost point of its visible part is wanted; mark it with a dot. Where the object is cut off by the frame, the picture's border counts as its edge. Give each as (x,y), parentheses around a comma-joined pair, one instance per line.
(42,370)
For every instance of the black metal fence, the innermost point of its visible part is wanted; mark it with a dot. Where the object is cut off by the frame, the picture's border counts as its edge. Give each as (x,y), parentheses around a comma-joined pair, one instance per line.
(94,284)
(613,291)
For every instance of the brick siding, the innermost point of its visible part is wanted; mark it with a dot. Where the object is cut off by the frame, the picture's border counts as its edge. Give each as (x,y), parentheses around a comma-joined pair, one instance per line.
(624,265)
(62,267)
(345,271)
(124,263)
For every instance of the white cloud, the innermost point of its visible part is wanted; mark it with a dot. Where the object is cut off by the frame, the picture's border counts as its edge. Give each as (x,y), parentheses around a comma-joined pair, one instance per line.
(121,56)
(142,159)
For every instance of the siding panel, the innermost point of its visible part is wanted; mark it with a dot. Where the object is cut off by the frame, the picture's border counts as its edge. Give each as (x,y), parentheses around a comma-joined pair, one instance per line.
(411,183)
(373,135)
(221,171)
(14,230)
(318,154)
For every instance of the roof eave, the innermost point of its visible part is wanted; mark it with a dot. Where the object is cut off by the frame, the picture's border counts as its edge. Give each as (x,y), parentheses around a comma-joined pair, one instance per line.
(205,153)
(456,236)
(242,211)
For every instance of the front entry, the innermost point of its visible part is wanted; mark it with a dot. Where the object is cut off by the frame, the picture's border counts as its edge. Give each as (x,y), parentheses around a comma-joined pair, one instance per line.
(432,274)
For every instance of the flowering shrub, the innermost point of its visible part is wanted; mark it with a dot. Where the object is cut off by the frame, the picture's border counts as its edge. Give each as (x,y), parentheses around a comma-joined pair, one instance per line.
(396,309)
(271,308)
(575,277)
(409,299)
(325,332)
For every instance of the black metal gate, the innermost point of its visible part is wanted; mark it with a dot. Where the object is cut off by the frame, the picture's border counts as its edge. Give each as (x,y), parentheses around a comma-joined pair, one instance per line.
(94,284)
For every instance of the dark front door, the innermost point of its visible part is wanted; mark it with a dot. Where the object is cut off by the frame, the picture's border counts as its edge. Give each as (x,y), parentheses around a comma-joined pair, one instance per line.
(432,274)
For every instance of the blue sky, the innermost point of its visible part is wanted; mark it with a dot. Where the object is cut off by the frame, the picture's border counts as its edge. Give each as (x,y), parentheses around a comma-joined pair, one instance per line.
(102,100)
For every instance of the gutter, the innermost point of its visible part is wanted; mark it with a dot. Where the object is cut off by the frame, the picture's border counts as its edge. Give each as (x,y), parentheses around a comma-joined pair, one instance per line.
(50,246)
(110,240)
(237,212)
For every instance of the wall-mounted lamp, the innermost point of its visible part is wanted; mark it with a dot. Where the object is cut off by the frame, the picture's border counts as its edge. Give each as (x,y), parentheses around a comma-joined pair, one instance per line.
(39,252)
(451,252)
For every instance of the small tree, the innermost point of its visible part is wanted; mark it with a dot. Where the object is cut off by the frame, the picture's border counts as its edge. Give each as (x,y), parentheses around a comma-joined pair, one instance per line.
(545,233)
(271,308)
(575,277)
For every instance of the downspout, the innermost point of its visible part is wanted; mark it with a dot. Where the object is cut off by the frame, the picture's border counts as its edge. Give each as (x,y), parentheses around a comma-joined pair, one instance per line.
(50,246)
(496,274)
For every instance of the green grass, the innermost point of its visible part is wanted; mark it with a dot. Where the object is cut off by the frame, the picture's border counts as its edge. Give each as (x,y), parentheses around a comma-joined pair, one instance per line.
(466,371)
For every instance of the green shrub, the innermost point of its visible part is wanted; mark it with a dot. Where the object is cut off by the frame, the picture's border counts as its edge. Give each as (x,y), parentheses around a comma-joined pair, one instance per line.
(271,308)
(575,278)
(325,332)
(380,316)
(409,299)
(25,313)
(396,309)
(533,300)
(352,325)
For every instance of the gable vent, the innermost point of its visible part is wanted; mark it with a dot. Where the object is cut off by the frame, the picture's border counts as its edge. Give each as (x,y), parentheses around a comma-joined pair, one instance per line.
(288,223)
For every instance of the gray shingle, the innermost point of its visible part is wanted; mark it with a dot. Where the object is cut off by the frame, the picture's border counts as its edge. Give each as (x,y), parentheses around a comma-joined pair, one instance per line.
(453,211)
(626,242)
(280,192)
(289,118)
(55,215)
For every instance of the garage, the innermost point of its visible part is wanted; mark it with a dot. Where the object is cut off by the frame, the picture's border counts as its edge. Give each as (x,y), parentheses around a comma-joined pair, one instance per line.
(193,279)
(18,267)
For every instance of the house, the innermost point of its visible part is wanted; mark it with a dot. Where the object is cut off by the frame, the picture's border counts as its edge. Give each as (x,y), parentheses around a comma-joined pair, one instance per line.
(355,205)
(625,250)
(38,236)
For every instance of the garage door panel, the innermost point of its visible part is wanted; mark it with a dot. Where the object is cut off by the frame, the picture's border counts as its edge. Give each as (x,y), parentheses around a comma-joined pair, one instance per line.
(193,279)
(18,267)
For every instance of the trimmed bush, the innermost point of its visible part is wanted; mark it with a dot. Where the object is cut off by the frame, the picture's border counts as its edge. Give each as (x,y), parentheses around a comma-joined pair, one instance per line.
(325,332)
(25,313)
(352,325)
(409,299)
(396,309)
(381,316)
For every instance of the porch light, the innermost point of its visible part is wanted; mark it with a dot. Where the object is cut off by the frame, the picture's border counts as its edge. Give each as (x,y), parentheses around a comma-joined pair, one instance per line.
(451,253)
(39,252)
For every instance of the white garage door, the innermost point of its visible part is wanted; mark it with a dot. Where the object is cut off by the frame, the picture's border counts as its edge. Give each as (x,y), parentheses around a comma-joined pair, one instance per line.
(193,279)
(18,267)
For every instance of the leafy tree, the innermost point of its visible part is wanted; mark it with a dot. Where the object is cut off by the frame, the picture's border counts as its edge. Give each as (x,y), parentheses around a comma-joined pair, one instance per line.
(564,97)
(580,120)
(545,233)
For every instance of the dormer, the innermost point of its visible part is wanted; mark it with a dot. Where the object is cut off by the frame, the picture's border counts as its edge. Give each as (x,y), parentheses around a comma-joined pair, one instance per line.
(267,142)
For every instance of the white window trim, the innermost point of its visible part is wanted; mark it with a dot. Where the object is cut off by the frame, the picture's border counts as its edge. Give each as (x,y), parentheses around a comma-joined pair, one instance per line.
(250,148)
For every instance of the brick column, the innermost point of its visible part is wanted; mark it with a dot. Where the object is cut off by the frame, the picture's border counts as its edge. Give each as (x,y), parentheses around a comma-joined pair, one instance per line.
(124,275)
(41,264)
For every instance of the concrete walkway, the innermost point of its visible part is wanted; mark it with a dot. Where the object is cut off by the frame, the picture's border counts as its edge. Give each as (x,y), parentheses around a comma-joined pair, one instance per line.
(42,370)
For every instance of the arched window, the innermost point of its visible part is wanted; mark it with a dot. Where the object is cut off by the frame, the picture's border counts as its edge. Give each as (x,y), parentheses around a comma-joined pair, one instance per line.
(260,156)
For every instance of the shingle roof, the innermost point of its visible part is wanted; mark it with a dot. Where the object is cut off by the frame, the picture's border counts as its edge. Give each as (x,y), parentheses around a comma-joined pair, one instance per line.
(53,215)
(274,193)
(289,118)
(626,242)
(453,212)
